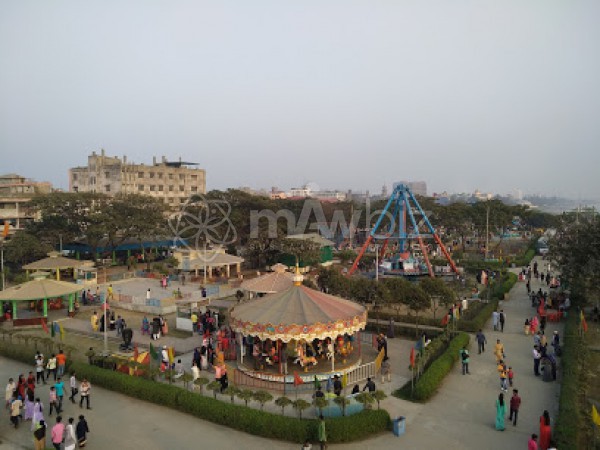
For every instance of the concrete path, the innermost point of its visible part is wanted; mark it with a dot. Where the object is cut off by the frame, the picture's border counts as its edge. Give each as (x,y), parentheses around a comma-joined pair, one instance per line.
(460,416)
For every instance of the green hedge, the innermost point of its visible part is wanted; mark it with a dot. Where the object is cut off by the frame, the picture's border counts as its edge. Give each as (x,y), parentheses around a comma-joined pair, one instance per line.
(240,417)
(427,385)
(568,425)
(404,330)
(384,317)
(479,321)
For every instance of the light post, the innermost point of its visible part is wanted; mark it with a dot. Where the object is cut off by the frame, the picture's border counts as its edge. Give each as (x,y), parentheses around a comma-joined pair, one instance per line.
(376,262)
(2,261)
(204,259)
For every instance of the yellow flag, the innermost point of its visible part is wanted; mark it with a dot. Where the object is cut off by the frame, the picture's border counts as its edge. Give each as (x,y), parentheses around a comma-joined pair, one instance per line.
(61,331)
(171,355)
(344,380)
(595,416)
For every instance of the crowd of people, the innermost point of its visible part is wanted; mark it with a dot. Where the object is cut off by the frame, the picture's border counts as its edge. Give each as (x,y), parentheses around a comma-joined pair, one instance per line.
(24,403)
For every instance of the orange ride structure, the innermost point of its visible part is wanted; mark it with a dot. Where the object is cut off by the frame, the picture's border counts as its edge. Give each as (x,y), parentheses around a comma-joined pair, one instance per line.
(402,207)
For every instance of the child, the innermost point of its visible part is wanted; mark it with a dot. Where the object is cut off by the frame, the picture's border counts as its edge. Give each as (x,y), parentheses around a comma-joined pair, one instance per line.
(307,445)
(53,401)
(510,376)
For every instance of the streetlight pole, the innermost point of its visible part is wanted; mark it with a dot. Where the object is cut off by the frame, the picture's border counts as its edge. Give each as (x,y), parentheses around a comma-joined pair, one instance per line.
(204,259)
(487,230)
(376,262)
(2,261)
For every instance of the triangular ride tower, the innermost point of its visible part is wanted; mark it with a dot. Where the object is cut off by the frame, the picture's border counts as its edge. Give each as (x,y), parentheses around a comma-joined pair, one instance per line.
(401,205)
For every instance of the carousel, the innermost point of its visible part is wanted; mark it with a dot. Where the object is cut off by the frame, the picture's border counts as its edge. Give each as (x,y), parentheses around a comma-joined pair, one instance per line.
(270,283)
(313,331)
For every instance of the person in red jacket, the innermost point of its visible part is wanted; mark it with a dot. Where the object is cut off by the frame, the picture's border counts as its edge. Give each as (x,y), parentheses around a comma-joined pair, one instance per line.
(515,403)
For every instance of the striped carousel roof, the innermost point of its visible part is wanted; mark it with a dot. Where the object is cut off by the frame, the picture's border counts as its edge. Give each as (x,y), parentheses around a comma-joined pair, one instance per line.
(298,313)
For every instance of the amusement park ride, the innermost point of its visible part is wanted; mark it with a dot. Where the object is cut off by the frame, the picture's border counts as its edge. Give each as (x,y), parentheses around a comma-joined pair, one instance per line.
(406,257)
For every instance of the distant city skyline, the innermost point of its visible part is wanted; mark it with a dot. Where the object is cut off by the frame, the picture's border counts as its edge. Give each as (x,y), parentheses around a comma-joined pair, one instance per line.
(346,94)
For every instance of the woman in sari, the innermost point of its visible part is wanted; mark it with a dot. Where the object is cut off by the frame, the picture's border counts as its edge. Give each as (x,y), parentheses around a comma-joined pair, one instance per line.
(500,412)
(545,431)
(38,413)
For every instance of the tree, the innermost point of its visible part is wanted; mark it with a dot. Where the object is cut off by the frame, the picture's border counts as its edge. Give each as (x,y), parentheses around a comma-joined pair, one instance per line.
(282,402)
(232,391)
(215,387)
(366,399)
(300,405)
(24,248)
(438,292)
(186,378)
(304,251)
(378,396)
(342,402)
(399,290)
(246,395)
(201,382)
(346,255)
(416,300)
(262,397)
(321,402)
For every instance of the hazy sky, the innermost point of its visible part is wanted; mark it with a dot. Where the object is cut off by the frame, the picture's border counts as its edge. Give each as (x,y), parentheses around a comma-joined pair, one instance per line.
(494,95)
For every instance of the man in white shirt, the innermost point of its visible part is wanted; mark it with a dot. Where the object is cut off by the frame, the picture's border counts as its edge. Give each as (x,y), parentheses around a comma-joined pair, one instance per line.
(73,385)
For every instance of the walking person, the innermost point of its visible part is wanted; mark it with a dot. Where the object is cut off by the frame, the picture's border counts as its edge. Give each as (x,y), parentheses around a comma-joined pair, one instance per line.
(70,439)
(386,370)
(81,431)
(15,410)
(500,412)
(61,361)
(39,435)
(532,443)
(58,432)
(545,431)
(11,386)
(502,319)
(73,386)
(52,401)
(495,319)
(481,341)
(499,351)
(51,367)
(39,368)
(38,413)
(59,386)
(464,358)
(515,403)
(537,356)
(84,390)
(322,433)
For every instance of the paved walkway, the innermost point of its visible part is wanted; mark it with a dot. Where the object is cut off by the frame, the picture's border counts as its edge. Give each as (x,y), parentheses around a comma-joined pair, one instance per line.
(460,416)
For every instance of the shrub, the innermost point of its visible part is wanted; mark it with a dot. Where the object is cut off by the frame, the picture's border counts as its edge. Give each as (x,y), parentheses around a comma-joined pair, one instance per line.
(475,324)
(427,385)
(265,424)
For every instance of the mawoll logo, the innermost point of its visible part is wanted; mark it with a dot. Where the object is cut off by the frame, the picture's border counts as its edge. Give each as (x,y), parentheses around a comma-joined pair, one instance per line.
(201,221)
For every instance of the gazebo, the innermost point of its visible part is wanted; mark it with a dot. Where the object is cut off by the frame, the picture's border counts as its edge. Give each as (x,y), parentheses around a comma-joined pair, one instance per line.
(54,262)
(269,283)
(302,315)
(40,288)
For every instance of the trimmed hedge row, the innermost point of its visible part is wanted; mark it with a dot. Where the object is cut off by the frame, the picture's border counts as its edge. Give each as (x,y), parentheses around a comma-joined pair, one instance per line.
(478,322)
(568,425)
(273,426)
(428,384)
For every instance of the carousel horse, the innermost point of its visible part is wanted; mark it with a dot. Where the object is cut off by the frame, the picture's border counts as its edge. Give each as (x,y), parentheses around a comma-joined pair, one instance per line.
(302,359)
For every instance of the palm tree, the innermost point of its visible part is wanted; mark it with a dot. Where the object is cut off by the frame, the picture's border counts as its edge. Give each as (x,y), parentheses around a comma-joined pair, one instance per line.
(246,395)
(378,396)
(214,386)
(282,402)
(262,397)
(342,402)
(232,391)
(201,382)
(300,405)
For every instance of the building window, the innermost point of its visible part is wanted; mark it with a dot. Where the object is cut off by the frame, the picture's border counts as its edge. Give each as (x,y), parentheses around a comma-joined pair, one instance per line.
(141,187)
(194,177)
(151,174)
(75,189)
(92,180)
(160,175)
(152,187)
(181,188)
(181,176)
(106,174)
(74,177)
(140,174)
(194,188)
(171,187)
(160,187)
(107,188)
(170,176)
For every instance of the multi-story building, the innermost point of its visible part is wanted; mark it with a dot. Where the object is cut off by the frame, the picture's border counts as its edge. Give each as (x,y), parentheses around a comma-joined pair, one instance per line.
(174,182)
(417,187)
(15,192)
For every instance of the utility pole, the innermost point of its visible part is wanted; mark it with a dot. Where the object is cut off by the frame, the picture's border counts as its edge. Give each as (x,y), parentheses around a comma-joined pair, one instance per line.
(376,262)
(487,231)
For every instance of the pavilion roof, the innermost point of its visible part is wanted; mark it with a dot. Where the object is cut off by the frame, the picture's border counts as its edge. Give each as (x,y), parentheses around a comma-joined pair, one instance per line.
(39,289)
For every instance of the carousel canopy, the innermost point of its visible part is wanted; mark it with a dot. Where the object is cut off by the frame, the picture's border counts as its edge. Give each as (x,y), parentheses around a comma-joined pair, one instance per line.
(39,289)
(298,313)
(270,283)
(53,262)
